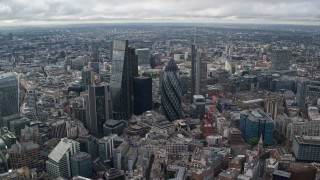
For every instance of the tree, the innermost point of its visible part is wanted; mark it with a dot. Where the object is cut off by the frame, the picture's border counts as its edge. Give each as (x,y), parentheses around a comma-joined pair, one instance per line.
(205,143)
(265,155)
(254,141)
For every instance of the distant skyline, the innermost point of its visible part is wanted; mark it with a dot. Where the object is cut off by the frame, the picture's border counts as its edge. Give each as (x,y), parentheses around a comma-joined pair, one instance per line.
(26,12)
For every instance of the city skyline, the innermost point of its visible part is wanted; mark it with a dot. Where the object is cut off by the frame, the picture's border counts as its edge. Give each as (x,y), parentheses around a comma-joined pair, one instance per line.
(17,12)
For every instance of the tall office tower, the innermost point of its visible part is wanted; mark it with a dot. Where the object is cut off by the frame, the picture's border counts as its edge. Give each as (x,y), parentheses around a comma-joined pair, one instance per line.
(143,57)
(307,88)
(81,165)
(134,63)
(280,59)
(201,77)
(89,144)
(95,52)
(59,164)
(9,94)
(198,107)
(306,148)
(142,94)
(171,92)
(97,108)
(121,80)
(87,77)
(193,71)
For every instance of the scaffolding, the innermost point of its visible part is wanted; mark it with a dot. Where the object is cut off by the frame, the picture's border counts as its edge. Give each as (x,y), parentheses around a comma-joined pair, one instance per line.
(209,119)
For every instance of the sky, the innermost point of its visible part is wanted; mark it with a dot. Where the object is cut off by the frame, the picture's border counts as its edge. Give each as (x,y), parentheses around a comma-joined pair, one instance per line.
(18,12)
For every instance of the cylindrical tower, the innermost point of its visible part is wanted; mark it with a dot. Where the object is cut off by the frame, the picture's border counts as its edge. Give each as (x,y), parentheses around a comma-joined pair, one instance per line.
(171,92)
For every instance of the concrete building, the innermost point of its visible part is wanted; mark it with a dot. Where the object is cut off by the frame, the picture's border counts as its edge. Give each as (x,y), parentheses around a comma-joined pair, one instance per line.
(106,146)
(112,126)
(307,88)
(280,60)
(306,148)
(59,129)
(59,164)
(26,154)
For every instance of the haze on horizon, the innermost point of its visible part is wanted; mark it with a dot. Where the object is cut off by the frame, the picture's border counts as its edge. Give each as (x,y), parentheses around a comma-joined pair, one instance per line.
(25,12)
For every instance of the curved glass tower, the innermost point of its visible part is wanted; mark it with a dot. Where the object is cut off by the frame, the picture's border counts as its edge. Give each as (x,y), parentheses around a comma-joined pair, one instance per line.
(9,94)
(124,67)
(171,92)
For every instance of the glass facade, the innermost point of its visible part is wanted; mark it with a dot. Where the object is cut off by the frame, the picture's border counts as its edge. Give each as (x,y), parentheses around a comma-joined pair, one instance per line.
(97,108)
(142,94)
(9,94)
(254,124)
(171,92)
(123,61)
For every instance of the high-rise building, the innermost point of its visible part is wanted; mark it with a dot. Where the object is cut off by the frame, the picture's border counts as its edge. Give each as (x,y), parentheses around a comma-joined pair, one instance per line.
(201,77)
(306,88)
(280,60)
(97,108)
(171,92)
(87,76)
(9,94)
(306,148)
(95,52)
(142,94)
(143,57)
(193,71)
(89,144)
(256,123)
(123,58)
(198,107)
(81,165)
(59,164)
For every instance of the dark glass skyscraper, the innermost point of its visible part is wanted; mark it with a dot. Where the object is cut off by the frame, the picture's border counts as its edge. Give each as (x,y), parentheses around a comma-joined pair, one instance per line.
(95,52)
(97,108)
(193,71)
(123,61)
(9,94)
(142,94)
(171,92)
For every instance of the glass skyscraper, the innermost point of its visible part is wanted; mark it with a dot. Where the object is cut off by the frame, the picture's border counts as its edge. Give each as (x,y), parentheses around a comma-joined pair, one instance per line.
(171,92)
(97,108)
(122,71)
(9,94)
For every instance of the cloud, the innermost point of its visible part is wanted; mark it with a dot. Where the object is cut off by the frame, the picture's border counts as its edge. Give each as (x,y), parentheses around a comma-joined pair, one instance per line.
(307,11)
(4,9)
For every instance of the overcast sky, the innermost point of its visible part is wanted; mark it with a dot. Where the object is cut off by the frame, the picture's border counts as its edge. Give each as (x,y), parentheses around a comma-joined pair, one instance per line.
(211,11)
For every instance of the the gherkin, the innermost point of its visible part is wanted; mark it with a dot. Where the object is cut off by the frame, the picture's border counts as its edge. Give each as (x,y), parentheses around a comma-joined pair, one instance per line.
(171,92)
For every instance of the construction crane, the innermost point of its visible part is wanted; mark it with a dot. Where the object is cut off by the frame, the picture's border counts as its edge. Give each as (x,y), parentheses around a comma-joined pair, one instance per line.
(209,121)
